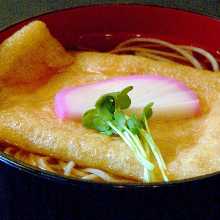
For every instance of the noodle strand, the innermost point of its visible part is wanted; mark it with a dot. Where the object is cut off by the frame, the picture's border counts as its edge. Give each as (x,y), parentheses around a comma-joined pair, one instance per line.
(142,47)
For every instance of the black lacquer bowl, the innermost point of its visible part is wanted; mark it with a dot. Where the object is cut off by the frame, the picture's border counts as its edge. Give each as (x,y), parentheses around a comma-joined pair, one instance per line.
(29,193)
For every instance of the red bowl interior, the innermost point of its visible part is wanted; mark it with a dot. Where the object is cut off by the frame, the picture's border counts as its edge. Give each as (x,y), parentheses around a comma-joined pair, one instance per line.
(103,26)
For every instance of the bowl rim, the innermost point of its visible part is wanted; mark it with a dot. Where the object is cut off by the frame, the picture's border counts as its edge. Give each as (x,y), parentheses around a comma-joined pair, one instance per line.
(187,11)
(35,171)
(74,181)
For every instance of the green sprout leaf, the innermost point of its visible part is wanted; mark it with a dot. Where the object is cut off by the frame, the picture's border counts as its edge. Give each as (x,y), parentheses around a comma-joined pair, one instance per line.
(134,124)
(123,100)
(108,118)
(120,120)
(88,118)
(106,102)
(100,124)
(147,112)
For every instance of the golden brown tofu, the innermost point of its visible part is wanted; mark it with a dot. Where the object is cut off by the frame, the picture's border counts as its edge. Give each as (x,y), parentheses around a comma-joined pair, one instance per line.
(27,120)
(31,54)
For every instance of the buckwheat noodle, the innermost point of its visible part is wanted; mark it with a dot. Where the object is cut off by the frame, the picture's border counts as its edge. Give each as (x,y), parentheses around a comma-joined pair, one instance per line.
(176,53)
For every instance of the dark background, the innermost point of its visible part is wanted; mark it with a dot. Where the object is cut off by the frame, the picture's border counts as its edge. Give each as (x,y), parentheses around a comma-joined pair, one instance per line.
(12,11)
(19,200)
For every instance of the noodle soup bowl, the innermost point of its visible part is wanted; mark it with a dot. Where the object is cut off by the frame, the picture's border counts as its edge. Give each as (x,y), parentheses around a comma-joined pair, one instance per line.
(48,195)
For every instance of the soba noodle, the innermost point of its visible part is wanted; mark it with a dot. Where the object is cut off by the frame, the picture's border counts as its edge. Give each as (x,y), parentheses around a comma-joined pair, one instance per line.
(143,47)
(155,49)
(61,167)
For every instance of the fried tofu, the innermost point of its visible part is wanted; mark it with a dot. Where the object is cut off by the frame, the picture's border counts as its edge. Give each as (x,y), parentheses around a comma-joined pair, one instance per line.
(31,54)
